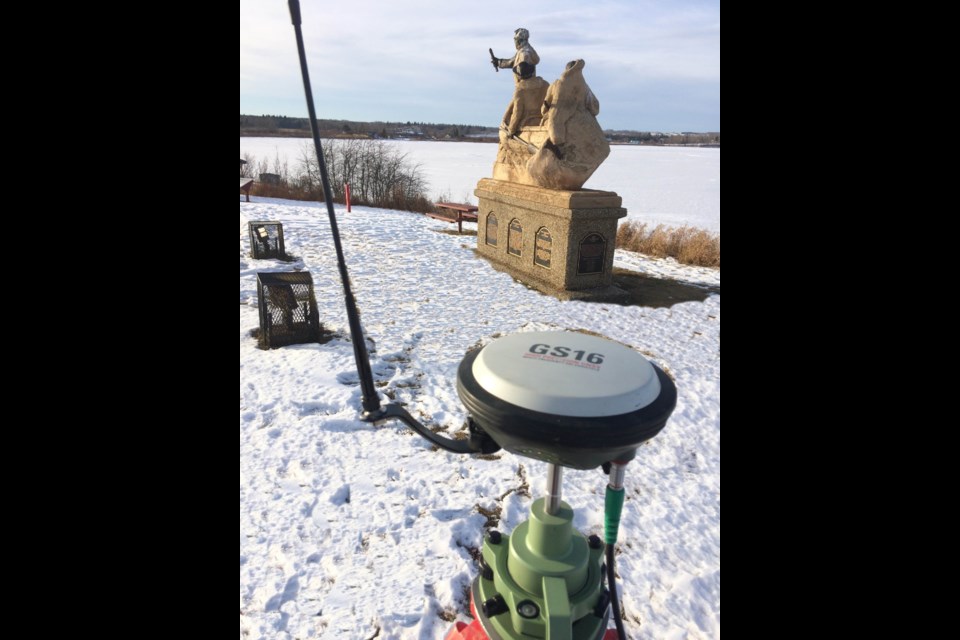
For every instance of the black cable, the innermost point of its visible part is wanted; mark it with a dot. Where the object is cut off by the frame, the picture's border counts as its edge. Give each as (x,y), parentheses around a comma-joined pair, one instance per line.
(394,411)
(614,599)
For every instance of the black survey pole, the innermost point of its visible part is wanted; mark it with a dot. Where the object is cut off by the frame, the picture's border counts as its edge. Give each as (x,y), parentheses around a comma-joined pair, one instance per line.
(478,442)
(370,400)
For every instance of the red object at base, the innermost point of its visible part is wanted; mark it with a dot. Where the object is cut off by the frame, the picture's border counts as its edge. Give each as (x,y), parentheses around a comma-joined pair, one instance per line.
(474,631)
(463,631)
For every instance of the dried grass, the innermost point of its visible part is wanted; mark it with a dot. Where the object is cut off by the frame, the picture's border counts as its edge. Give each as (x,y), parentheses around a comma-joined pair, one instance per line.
(687,245)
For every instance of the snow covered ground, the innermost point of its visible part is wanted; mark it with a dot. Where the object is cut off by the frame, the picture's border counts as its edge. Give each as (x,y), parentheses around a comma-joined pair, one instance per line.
(668,185)
(349,531)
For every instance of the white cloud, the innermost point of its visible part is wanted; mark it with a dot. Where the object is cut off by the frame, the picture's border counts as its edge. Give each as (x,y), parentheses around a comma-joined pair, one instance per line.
(426,61)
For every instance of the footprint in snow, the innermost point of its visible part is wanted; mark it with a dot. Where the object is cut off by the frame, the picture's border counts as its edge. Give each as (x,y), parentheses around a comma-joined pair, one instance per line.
(342,496)
(349,378)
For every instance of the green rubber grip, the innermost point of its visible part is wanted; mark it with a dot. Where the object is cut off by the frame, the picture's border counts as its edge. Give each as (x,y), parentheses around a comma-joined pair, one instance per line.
(612,507)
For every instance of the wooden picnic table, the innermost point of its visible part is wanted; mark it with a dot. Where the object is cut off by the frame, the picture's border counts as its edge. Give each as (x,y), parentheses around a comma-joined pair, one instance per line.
(245,184)
(455,212)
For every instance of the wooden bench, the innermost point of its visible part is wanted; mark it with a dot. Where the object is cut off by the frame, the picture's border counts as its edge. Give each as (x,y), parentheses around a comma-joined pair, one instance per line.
(455,212)
(245,184)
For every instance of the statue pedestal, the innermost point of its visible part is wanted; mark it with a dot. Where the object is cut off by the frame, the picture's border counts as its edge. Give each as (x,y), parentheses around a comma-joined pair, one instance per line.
(555,241)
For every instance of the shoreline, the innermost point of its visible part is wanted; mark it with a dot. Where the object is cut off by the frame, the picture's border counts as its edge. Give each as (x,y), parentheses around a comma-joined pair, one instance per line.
(306,136)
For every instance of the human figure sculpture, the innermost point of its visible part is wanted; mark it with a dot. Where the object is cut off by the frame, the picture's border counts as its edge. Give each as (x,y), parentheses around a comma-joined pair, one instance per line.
(524,62)
(529,89)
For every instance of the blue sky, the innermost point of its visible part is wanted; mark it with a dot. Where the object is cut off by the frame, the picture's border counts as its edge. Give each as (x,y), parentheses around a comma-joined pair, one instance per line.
(653,64)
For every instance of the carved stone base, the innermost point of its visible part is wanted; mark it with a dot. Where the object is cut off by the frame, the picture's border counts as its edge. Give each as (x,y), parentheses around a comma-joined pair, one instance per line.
(513,155)
(552,240)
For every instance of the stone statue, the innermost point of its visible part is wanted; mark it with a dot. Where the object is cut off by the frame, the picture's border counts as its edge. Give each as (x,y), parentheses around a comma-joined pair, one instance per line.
(536,220)
(549,136)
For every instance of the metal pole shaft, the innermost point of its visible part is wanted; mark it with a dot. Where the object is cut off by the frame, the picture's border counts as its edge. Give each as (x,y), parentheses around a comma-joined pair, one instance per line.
(554,494)
(370,400)
(618,474)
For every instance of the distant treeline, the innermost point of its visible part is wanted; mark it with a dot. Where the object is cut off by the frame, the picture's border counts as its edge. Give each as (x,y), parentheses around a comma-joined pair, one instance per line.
(283,126)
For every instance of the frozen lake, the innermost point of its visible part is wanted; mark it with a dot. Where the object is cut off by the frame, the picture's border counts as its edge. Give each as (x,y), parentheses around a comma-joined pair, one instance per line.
(670,185)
